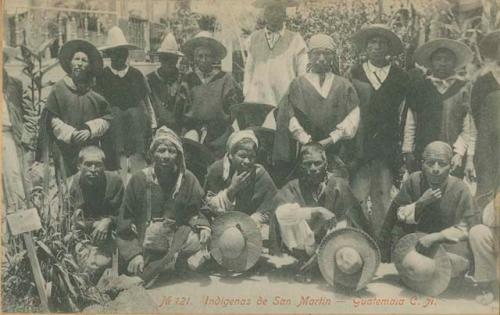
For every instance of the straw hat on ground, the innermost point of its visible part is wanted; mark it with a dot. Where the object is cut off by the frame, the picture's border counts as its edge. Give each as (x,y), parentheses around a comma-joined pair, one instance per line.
(348,257)
(429,275)
(461,51)
(236,241)
(362,36)
(72,46)
(488,47)
(169,46)
(205,39)
(116,39)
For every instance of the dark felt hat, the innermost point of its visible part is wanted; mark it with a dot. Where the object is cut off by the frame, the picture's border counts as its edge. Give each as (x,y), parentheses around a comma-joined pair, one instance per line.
(72,46)
(462,52)
(361,37)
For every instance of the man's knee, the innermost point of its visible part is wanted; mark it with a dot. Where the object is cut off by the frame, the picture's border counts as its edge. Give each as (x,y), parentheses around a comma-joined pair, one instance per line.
(192,244)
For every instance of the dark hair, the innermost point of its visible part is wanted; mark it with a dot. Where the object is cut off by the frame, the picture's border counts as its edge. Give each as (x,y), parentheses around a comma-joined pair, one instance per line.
(242,142)
(311,147)
(90,149)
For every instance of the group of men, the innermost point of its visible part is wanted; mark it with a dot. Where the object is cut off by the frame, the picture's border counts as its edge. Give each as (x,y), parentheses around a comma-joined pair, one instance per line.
(339,139)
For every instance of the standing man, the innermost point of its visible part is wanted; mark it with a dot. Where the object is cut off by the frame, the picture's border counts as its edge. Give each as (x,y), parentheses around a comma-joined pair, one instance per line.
(126,90)
(275,56)
(211,92)
(380,119)
(76,115)
(165,84)
(439,105)
(320,106)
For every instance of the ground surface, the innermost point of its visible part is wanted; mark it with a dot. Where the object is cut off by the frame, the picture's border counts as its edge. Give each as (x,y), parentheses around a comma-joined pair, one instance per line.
(272,281)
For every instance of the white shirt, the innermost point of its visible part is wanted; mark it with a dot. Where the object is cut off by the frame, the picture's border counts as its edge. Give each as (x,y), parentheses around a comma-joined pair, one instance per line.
(120,73)
(376,75)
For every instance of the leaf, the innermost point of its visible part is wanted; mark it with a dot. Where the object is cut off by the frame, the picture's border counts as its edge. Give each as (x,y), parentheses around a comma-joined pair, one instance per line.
(65,278)
(46,249)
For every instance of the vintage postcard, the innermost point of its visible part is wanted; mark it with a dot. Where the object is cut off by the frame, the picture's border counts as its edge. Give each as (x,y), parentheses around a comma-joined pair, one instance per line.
(250,156)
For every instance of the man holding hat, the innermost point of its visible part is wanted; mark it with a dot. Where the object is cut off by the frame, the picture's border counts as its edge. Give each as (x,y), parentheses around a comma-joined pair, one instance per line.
(320,106)
(485,103)
(165,84)
(126,90)
(439,105)
(378,158)
(433,202)
(275,56)
(211,92)
(77,116)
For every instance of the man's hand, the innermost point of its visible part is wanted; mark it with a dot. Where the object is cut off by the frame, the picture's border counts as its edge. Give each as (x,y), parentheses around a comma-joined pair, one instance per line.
(427,240)
(258,217)
(204,236)
(470,170)
(80,136)
(410,162)
(456,162)
(430,196)
(101,228)
(238,182)
(136,265)
(326,142)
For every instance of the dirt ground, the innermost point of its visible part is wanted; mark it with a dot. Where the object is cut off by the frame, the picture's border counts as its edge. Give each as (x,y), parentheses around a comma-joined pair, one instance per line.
(269,287)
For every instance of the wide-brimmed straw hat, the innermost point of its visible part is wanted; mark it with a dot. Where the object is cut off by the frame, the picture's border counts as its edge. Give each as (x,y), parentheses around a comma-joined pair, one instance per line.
(266,3)
(361,37)
(463,54)
(205,39)
(429,275)
(236,241)
(169,46)
(71,47)
(488,47)
(349,257)
(116,39)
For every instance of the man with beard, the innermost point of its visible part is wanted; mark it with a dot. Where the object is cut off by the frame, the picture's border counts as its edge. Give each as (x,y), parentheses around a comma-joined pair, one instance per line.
(165,85)
(433,202)
(160,211)
(379,139)
(320,106)
(126,90)
(76,115)
(307,206)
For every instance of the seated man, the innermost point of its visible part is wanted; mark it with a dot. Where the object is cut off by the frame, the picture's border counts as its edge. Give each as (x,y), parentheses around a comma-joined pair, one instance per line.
(95,199)
(236,183)
(433,202)
(307,206)
(484,240)
(160,211)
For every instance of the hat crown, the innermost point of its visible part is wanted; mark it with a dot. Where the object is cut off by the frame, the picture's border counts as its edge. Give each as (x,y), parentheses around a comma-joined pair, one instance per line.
(116,37)
(321,41)
(418,266)
(348,260)
(169,44)
(232,242)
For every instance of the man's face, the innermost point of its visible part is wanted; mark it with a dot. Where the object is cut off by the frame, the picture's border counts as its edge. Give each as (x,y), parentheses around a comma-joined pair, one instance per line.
(377,48)
(168,63)
(204,59)
(443,63)
(118,58)
(274,17)
(79,65)
(313,167)
(92,167)
(165,156)
(244,156)
(436,169)
(321,60)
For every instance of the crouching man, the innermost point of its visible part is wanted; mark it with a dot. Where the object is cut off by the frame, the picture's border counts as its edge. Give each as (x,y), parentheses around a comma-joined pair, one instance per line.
(159,217)
(307,207)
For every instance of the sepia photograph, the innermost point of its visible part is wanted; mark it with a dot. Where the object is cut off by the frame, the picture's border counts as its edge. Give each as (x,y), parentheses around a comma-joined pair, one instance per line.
(250,156)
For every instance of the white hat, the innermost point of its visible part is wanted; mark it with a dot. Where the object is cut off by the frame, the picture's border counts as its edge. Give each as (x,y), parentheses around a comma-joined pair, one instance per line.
(116,39)
(169,46)
(321,41)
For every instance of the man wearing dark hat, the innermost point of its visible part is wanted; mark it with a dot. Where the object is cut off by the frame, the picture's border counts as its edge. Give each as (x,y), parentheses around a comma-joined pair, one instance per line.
(211,92)
(439,105)
(77,115)
(275,56)
(379,136)
(433,202)
(485,103)
(320,106)
(127,91)
(307,206)
(165,85)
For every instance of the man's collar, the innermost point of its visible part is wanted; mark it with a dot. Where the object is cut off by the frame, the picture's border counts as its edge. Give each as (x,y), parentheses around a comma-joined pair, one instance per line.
(281,32)
(373,67)
(120,73)
(205,78)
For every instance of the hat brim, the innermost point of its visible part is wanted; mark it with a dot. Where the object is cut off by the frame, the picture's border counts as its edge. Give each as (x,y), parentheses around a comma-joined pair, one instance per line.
(169,52)
(189,47)
(462,52)
(253,249)
(433,286)
(264,3)
(69,49)
(488,47)
(127,46)
(362,243)
(362,36)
